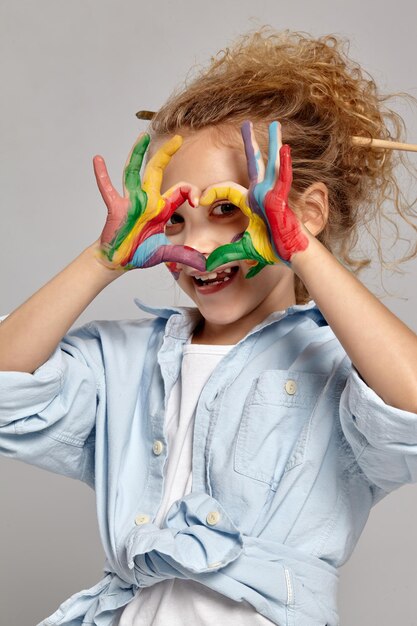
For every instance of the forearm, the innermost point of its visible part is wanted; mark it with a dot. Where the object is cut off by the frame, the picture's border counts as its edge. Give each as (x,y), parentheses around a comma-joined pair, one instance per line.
(30,334)
(382,348)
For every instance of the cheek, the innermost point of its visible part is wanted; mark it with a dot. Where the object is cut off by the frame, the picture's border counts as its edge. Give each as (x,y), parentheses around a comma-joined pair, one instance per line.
(243,222)
(268,278)
(183,281)
(230,232)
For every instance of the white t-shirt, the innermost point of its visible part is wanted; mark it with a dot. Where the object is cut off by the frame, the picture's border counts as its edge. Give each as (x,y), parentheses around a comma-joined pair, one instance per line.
(178,602)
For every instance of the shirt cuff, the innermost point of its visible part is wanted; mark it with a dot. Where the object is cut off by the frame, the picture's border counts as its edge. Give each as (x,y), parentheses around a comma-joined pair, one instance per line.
(383,438)
(20,390)
(381,425)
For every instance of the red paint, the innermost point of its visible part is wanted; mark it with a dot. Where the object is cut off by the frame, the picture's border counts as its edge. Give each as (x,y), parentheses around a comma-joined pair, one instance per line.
(284,224)
(173,267)
(156,225)
(117,207)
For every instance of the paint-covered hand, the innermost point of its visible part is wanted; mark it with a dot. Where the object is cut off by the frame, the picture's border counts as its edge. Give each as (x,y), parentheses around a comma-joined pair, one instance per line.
(133,235)
(274,232)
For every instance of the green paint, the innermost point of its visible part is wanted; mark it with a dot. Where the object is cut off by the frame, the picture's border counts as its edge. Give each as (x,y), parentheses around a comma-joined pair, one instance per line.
(237,251)
(138,198)
(132,171)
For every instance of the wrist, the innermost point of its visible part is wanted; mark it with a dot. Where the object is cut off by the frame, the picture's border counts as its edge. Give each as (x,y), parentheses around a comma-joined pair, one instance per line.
(93,257)
(303,258)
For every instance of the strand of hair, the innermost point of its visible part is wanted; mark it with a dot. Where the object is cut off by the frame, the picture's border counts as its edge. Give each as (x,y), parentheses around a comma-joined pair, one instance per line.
(356,141)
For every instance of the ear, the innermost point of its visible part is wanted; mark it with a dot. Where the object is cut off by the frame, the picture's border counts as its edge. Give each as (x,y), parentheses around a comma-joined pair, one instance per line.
(313,207)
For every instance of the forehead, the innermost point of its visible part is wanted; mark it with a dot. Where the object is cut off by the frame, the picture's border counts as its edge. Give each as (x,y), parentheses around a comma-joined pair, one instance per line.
(203,161)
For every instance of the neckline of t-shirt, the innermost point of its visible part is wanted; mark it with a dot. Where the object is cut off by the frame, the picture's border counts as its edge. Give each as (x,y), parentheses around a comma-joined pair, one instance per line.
(203,348)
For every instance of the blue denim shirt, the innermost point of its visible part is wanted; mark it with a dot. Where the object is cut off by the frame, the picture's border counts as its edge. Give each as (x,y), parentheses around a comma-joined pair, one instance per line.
(291,450)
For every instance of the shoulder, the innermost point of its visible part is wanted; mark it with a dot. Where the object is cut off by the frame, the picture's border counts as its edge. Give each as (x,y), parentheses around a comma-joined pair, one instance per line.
(109,341)
(116,330)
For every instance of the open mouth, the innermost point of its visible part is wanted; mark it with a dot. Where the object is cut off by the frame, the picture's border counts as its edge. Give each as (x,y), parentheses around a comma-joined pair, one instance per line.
(216,278)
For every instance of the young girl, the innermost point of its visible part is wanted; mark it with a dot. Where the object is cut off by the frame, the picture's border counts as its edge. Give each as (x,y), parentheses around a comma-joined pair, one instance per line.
(236,448)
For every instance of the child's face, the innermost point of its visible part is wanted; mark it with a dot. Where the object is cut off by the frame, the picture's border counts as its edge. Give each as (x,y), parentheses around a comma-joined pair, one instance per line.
(239,302)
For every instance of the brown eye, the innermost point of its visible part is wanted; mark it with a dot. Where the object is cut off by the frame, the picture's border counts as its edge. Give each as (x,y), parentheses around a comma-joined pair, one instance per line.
(175,218)
(174,225)
(225,209)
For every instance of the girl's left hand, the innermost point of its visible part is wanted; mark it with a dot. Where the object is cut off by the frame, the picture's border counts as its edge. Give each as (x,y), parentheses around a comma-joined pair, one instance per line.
(274,232)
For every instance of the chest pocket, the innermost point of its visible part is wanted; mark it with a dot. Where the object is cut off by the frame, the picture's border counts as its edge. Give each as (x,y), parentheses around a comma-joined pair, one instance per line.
(274,429)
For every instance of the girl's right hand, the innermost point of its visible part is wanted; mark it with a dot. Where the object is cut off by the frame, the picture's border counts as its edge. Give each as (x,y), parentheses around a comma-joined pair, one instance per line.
(133,235)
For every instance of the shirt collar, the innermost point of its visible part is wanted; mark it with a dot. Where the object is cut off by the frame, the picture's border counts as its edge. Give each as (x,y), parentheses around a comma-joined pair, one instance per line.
(182,320)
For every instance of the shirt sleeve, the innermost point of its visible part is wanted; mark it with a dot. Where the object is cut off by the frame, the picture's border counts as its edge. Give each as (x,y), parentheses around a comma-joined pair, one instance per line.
(383,438)
(47,418)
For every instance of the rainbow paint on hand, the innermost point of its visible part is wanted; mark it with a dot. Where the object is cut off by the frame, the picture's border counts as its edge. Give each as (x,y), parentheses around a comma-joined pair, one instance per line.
(274,232)
(253,244)
(133,235)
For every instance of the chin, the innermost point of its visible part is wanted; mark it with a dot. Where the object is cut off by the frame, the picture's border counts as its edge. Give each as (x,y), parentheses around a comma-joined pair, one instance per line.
(221,318)
(225,314)
(254,298)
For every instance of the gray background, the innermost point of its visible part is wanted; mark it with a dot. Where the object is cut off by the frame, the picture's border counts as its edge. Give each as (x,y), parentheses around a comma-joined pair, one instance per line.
(73,74)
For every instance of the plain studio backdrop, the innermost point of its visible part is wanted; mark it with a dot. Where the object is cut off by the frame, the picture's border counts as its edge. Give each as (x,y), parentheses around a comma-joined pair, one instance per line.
(73,75)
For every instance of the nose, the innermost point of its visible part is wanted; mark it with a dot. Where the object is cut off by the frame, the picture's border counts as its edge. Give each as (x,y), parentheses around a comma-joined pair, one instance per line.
(202,238)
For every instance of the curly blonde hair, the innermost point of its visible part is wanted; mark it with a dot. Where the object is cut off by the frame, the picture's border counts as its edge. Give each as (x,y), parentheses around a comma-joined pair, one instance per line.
(322,98)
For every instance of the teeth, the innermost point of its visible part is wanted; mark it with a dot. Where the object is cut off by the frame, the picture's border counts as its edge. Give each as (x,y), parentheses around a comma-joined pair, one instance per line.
(208,276)
(213,275)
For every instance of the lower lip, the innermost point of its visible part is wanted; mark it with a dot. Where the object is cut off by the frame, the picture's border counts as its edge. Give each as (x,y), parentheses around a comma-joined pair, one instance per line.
(209,289)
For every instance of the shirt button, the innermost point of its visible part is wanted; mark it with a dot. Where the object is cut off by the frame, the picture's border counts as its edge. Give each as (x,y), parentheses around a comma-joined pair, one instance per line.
(291,387)
(213,517)
(141,519)
(157,447)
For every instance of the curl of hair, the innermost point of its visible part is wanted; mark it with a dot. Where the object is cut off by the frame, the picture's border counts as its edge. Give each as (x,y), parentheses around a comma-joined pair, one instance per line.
(322,98)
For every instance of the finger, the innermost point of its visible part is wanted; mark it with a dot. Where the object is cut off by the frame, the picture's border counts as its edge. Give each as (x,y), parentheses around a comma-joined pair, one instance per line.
(225,254)
(239,250)
(184,255)
(108,192)
(178,254)
(129,156)
(152,177)
(226,191)
(131,176)
(155,225)
(161,215)
(255,270)
(285,171)
(180,193)
(233,252)
(275,143)
(126,230)
(256,166)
